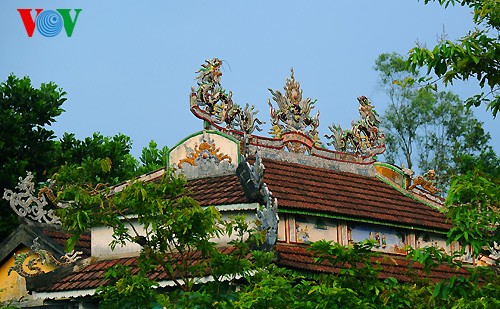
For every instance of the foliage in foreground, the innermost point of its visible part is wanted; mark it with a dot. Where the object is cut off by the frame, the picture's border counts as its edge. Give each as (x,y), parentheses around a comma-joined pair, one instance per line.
(475,56)
(356,285)
(178,241)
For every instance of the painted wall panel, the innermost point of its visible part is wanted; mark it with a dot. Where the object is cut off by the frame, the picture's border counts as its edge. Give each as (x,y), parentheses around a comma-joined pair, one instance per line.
(387,239)
(309,229)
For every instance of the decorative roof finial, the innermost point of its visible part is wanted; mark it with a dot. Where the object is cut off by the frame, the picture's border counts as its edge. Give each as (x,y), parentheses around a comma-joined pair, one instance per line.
(427,182)
(27,264)
(293,111)
(215,105)
(365,137)
(25,204)
(252,180)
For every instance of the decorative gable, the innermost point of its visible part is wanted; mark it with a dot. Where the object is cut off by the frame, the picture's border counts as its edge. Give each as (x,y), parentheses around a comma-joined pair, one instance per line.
(205,154)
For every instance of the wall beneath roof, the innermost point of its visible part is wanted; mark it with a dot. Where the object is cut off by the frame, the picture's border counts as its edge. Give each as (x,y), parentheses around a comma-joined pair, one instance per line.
(101,237)
(303,228)
(13,286)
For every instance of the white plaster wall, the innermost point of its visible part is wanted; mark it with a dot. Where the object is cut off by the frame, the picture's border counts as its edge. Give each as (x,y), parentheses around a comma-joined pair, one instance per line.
(101,237)
(250,217)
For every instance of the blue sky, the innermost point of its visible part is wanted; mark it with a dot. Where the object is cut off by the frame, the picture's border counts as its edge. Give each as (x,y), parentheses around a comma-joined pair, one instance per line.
(129,65)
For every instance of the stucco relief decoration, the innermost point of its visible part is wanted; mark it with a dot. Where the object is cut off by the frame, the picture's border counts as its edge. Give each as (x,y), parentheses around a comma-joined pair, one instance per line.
(364,138)
(292,114)
(27,264)
(426,182)
(26,204)
(494,251)
(210,102)
(251,178)
(205,159)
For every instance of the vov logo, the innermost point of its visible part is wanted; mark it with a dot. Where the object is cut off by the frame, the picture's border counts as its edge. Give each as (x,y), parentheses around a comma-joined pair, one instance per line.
(49,23)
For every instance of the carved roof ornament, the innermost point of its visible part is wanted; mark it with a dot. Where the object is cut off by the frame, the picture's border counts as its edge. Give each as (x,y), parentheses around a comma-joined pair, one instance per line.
(252,180)
(494,252)
(293,112)
(27,264)
(292,126)
(365,137)
(426,182)
(212,103)
(25,204)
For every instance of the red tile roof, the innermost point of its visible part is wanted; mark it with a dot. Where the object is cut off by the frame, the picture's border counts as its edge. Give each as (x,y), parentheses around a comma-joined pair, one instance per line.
(305,188)
(60,237)
(222,190)
(289,255)
(297,257)
(92,276)
(300,187)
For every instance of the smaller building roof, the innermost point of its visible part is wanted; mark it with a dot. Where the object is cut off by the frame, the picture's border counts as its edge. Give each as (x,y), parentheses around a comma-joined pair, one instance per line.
(297,257)
(50,237)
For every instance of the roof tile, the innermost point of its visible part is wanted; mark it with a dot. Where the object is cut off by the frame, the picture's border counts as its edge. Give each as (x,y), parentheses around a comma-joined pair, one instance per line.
(296,256)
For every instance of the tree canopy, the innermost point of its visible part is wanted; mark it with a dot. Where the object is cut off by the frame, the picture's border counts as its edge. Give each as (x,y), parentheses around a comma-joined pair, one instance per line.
(428,129)
(26,142)
(475,56)
(95,159)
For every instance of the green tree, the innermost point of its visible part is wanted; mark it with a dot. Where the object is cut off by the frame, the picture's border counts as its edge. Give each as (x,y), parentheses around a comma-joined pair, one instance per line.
(473,208)
(433,129)
(407,112)
(26,142)
(102,159)
(487,162)
(475,56)
(473,196)
(152,158)
(175,234)
(95,159)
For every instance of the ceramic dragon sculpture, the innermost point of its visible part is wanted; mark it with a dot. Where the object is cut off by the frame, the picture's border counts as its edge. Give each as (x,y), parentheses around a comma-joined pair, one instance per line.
(27,264)
(364,135)
(218,104)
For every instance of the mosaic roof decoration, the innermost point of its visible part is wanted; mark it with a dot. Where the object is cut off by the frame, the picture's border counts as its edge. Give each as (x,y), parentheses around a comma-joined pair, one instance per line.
(293,112)
(205,151)
(213,104)
(205,159)
(25,204)
(27,264)
(364,138)
(292,126)
(426,182)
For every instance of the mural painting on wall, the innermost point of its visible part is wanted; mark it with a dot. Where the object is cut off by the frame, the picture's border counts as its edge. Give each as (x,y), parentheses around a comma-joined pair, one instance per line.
(432,240)
(386,239)
(309,229)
